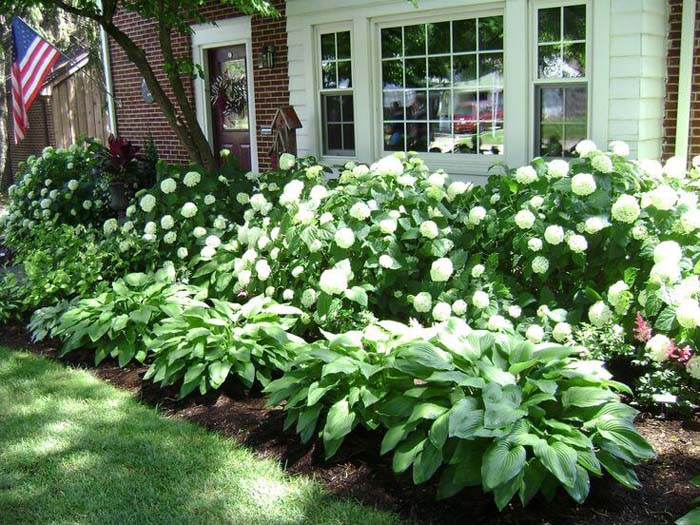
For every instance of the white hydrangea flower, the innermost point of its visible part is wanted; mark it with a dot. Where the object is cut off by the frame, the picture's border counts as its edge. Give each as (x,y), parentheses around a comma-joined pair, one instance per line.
(690,220)
(429,229)
(602,163)
(199,231)
(554,234)
(244,277)
(131,210)
(150,228)
(46,203)
(437,179)
(663,198)
(693,364)
(561,332)
(599,314)
(459,307)
(318,192)
(316,246)
(619,147)
(262,269)
(287,161)
(73,185)
(534,333)
(526,175)
(325,218)
(308,297)
(304,215)
(344,238)
(524,219)
(616,291)
(167,222)
(110,226)
(442,312)
(297,271)
(168,185)
(147,203)
(423,302)
(360,211)
(213,241)
(313,172)
(534,244)
(360,170)
(148,237)
(386,261)
(243,198)
(626,209)
(220,223)
(540,264)
(455,189)
(585,147)
(170,238)
(388,226)
(124,245)
(515,311)
(441,270)
(476,215)
(209,199)
(657,347)
(191,179)
(651,168)
(688,314)
(288,294)
(333,281)
(189,210)
(583,184)
(258,201)
(389,165)
(577,243)
(665,272)
(557,168)
(478,270)
(87,204)
(675,168)
(127,227)
(497,323)
(537,201)
(668,251)
(406,180)
(595,224)
(480,299)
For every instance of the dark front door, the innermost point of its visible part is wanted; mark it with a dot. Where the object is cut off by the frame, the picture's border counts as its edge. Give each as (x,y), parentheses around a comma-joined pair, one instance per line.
(229,102)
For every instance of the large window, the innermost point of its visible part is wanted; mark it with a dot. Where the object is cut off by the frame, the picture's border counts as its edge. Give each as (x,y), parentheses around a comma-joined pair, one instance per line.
(337,101)
(442,86)
(561,85)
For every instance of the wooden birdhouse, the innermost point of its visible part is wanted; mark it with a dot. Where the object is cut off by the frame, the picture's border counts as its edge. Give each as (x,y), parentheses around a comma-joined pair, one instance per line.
(284,135)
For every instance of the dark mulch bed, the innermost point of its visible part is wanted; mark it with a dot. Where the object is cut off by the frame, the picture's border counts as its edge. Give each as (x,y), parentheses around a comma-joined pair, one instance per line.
(359,472)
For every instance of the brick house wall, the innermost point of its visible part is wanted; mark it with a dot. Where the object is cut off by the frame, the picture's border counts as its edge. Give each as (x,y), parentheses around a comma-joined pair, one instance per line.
(673,58)
(38,135)
(136,118)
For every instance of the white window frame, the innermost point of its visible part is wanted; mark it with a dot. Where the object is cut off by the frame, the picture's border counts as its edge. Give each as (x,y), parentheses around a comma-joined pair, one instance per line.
(476,164)
(228,32)
(325,29)
(535,81)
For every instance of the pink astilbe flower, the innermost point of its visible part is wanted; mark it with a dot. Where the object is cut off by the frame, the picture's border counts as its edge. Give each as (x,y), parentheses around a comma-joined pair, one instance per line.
(682,355)
(642,329)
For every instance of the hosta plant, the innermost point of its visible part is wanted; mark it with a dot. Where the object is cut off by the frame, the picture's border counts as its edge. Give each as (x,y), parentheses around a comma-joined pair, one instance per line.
(204,344)
(482,408)
(115,322)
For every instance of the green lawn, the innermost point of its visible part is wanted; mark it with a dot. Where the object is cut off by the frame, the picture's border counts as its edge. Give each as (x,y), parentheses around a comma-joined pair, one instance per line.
(75,450)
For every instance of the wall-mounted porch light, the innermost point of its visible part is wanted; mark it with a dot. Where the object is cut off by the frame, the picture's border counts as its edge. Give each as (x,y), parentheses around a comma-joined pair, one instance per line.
(267,57)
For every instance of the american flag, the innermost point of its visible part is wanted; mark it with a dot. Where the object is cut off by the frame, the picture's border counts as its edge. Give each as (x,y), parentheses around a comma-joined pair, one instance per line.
(32,59)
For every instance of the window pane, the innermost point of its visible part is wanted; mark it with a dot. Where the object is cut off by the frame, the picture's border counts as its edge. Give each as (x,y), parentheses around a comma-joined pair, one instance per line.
(348,137)
(465,70)
(439,38)
(440,137)
(334,138)
(466,114)
(391,42)
(333,108)
(414,41)
(575,22)
(329,77)
(464,35)
(394,137)
(328,46)
(347,108)
(392,73)
(439,71)
(491,69)
(574,64)
(344,44)
(440,105)
(344,74)
(549,61)
(393,105)
(491,33)
(491,138)
(563,118)
(551,136)
(549,25)
(576,103)
(415,72)
(417,137)
(416,107)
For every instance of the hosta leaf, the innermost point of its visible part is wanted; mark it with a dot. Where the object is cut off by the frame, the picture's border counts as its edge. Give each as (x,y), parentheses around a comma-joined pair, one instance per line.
(136,279)
(193,372)
(407,451)
(504,493)
(439,431)
(559,459)
(339,423)
(587,396)
(393,437)
(465,419)
(218,372)
(619,470)
(427,462)
(426,411)
(692,518)
(357,294)
(502,405)
(581,487)
(588,460)
(501,463)
(533,476)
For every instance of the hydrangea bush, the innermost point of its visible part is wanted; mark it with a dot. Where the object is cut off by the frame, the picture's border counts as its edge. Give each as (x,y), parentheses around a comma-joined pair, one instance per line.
(62,186)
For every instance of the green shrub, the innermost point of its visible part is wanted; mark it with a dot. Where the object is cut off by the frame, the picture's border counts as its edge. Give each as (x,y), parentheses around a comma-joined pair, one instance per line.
(116,322)
(487,409)
(11,297)
(58,187)
(205,344)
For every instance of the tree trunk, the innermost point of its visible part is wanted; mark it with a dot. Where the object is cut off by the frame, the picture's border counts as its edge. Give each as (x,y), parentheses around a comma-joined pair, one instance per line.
(5,165)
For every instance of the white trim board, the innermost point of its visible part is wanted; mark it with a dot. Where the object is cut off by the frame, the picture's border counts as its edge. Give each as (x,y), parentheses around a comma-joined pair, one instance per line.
(228,32)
